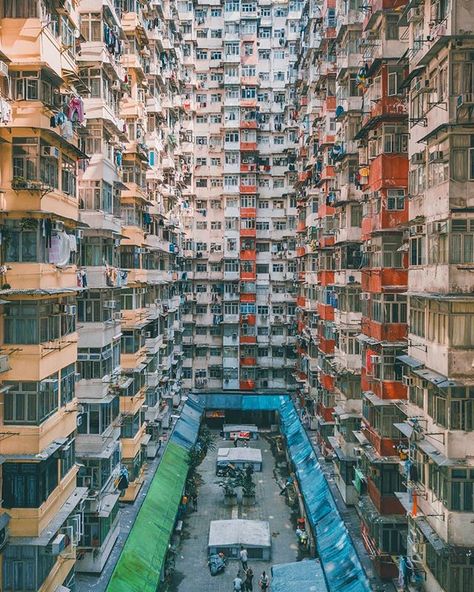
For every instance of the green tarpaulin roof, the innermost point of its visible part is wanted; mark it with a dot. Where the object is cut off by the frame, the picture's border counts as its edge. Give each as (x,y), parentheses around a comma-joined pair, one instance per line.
(141,561)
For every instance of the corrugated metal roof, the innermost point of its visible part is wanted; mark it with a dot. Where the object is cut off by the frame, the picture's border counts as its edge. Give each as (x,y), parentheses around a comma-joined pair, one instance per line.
(302,576)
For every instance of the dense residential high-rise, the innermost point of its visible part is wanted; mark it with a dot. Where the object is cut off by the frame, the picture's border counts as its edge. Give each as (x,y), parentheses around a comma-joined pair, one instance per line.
(384,257)
(239,311)
(91,183)
(248,195)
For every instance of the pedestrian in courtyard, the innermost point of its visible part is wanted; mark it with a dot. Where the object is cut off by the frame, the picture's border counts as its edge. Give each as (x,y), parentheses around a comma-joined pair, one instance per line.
(243,558)
(264,582)
(249,580)
(236,440)
(237,583)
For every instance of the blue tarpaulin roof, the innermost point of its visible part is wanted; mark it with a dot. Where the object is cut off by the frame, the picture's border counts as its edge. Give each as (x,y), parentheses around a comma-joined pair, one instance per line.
(301,576)
(187,427)
(341,565)
(238,401)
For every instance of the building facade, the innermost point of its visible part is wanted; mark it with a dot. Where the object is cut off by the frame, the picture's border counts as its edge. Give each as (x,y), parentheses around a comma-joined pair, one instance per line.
(383,264)
(251,195)
(92,178)
(239,311)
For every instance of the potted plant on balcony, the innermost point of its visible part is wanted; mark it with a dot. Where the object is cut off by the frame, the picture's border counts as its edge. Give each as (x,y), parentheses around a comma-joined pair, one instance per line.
(19,183)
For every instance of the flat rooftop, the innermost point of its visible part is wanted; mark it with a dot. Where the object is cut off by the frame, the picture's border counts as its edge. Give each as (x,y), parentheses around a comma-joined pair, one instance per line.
(249,533)
(243,454)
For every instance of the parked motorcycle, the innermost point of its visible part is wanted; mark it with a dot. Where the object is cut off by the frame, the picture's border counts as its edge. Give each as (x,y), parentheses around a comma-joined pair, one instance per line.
(217,563)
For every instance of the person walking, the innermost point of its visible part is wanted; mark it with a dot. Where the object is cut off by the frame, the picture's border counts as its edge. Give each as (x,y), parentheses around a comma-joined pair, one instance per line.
(243,558)
(237,583)
(264,582)
(236,440)
(249,580)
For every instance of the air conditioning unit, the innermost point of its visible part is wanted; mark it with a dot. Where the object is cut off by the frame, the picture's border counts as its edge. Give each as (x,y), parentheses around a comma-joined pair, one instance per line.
(418,158)
(407,380)
(110,304)
(465,99)
(79,234)
(57,226)
(3,69)
(147,334)
(4,366)
(70,310)
(375,359)
(50,151)
(415,15)
(59,544)
(365,296)
(436,156)
(440,227)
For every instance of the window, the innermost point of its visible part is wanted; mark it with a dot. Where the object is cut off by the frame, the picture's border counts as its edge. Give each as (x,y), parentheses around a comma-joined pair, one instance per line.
(22,9)
(33,322)
(28,485)
(417,316)
(417,250)
(389,308)
(462,241)
(392,84)
(395,199)
(391,33)
(31,402)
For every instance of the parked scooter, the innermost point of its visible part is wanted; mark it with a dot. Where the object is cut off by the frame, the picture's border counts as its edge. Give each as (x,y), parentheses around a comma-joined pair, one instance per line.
(217,563)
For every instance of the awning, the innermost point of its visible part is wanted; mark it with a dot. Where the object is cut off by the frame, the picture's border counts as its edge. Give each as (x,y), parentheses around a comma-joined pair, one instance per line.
(340,562)
(405,428)
(39,292)
(377,401)
(257,402)
(435,454)
(43,455)
(298,577)
(142,559)
(413,74)
(431,536)
(93,401)
(431,376)
(107,504)
(360,437)
(409,361)
(145,439)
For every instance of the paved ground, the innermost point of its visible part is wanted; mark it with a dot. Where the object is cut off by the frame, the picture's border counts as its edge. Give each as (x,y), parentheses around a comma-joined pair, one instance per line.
(192,573)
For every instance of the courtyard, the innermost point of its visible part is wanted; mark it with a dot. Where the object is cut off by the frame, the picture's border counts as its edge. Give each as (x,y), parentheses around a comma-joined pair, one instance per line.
(191,570)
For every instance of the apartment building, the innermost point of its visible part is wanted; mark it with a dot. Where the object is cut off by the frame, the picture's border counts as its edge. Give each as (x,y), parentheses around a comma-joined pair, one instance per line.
(437,366)
(383,266)
(239,297)
(92,178)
